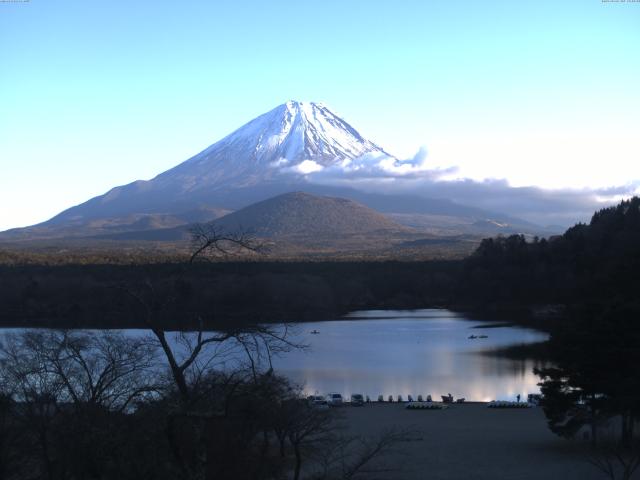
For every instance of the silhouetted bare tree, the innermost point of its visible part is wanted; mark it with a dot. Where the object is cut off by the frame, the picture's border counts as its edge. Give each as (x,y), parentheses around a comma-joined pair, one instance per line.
(69,390)
(615,459)
(209,239)
(350,457)
(212,370)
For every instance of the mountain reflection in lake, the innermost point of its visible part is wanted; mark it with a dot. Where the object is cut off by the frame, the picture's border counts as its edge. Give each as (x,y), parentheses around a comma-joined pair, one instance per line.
(420,352)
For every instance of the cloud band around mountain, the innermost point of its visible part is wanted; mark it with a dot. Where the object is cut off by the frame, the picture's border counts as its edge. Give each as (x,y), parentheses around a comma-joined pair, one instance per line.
(383,173)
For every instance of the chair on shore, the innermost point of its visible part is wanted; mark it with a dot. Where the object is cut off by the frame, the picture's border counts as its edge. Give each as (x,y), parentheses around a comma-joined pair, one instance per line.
(380,398)
(508,404)
(420,398)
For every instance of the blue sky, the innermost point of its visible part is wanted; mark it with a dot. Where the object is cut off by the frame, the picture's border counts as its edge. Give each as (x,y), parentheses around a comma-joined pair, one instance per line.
(97,94)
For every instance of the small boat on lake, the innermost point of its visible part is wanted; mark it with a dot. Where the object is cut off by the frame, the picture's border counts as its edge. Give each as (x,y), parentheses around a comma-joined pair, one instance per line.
(315,332)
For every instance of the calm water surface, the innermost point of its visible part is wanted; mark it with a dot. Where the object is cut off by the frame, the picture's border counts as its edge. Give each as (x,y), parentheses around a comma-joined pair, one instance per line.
(421,352)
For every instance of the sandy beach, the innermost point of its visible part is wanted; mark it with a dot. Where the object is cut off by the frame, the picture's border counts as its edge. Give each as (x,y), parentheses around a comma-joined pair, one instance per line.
(471,441)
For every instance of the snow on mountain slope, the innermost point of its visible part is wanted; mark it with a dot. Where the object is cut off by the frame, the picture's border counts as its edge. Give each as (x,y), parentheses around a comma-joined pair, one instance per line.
(269,155)
(295,146)
(294,138)
(298,131)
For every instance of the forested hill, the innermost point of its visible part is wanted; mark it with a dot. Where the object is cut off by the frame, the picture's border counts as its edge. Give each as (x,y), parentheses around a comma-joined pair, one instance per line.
(594,347)
(592,268)
(594,264)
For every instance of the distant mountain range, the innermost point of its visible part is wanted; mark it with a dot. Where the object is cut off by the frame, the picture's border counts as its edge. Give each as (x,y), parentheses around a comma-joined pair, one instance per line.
(269,156)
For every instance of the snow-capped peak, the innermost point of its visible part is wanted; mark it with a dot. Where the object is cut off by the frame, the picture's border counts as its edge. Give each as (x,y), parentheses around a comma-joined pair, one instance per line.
(299,137)
(298,131)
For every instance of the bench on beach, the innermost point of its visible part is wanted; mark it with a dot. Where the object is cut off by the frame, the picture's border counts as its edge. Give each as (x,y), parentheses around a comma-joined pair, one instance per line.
(508,404)
(426,406)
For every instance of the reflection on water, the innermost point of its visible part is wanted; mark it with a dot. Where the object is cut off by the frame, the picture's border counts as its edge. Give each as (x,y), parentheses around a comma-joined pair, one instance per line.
(422,352)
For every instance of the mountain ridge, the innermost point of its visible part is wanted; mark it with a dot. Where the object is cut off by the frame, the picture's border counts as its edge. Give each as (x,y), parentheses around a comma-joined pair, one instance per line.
(266,157)
(267,150)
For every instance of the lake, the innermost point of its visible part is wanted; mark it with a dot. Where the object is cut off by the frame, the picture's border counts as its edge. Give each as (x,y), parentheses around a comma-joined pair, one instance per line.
(420,352)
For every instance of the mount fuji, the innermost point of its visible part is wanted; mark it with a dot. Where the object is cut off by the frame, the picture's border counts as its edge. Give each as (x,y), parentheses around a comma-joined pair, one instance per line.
(273,154)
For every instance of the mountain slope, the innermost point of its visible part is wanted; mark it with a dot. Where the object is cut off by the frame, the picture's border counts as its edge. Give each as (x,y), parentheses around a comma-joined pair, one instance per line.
(300,213)
(268,156)
(276,147)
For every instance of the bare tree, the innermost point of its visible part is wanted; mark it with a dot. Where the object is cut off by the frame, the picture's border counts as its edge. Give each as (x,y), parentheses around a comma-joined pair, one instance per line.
(69,385)
(209,239)
(315,435)
(195,353)
(615,459)
(351,457)
(305,426)
(37,392)
(83,368)
(190,361)
(206,366)
(11,436)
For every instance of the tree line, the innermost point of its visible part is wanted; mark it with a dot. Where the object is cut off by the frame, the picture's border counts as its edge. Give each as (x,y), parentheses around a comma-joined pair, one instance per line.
(592,388)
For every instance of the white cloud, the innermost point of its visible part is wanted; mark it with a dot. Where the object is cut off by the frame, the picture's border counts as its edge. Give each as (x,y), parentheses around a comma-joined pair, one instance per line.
(305,167)
(380,173)
(281,162)
(373,167)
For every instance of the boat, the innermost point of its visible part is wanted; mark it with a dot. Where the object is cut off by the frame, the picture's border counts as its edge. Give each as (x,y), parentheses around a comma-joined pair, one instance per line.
(473,337)
(315,332)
